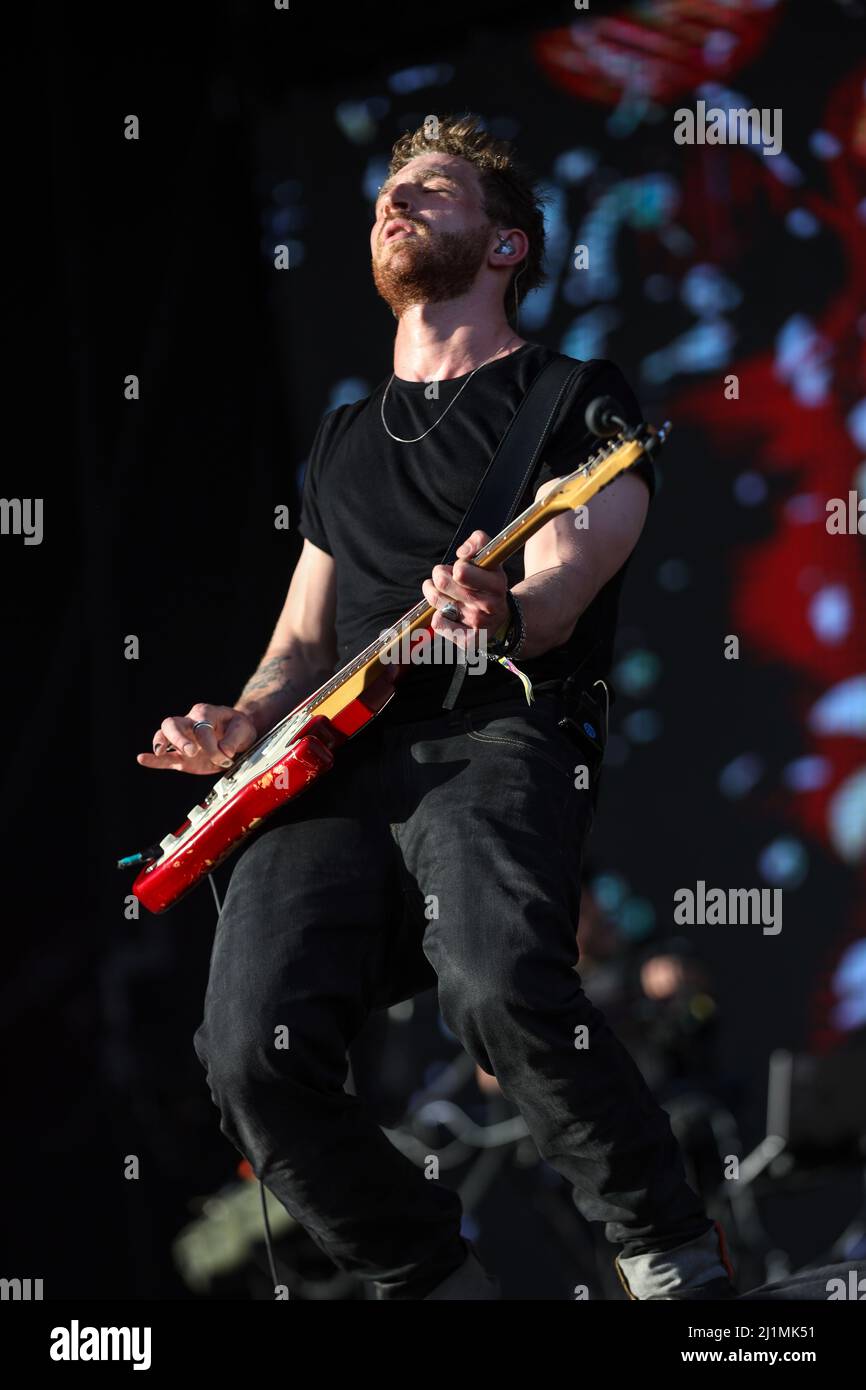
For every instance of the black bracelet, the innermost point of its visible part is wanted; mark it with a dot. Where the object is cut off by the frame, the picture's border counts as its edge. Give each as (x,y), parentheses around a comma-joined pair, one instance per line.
(511,643)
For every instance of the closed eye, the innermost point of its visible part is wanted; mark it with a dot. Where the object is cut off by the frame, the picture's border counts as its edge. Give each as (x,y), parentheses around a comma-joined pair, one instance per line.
(439,187)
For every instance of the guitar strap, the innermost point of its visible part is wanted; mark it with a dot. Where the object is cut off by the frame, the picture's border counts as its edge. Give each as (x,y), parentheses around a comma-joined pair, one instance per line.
(513,466)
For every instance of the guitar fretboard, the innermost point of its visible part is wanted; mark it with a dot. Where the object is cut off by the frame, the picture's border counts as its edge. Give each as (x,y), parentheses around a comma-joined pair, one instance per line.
(404,624)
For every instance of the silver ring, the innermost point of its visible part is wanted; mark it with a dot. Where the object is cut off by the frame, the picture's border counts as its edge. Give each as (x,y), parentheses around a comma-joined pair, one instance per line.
(202,724)
(450,611)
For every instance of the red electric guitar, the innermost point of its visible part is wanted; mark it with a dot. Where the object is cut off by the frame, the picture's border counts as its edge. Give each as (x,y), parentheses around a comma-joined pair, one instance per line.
(301,746)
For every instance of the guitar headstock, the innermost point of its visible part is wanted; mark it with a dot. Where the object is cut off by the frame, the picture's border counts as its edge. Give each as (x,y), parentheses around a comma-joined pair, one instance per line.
(613,457)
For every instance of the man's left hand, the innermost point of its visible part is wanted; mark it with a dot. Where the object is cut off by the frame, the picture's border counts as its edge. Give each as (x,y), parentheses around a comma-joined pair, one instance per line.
(479,594)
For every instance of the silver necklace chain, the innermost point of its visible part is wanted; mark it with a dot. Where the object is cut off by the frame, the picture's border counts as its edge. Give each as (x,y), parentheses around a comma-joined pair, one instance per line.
(396,437)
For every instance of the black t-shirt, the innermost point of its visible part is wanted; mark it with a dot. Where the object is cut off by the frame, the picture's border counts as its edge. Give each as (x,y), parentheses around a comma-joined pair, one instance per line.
(386,512)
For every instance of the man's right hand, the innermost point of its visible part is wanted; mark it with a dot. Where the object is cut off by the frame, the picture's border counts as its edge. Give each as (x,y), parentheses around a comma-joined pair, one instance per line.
(181,748)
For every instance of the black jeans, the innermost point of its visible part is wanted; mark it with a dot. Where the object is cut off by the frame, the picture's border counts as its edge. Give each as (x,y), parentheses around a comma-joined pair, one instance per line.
(442,852)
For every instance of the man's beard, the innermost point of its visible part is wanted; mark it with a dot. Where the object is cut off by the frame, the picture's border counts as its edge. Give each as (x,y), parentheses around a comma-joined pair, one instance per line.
(442,265)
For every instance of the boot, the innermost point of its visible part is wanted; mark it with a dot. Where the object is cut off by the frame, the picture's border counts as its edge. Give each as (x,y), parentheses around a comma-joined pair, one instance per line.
(697,1270)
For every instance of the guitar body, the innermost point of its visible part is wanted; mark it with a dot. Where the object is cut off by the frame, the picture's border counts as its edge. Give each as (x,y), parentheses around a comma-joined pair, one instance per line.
(301,747)
(204,840)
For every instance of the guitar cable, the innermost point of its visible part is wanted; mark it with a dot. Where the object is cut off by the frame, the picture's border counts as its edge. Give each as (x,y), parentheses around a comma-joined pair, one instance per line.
(604,687)
(265,1221)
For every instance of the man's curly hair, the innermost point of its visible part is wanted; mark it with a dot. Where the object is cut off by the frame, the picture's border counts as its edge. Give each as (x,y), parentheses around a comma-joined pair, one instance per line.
(510,198)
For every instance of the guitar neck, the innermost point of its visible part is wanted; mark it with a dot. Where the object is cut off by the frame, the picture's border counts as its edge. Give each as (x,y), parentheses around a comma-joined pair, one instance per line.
(573,491)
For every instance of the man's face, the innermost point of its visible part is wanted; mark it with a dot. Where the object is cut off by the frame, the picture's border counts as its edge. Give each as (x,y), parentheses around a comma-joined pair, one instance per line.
(431,235)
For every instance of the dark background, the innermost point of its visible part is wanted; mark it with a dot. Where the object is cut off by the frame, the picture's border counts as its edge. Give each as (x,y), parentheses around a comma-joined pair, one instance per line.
(155,257)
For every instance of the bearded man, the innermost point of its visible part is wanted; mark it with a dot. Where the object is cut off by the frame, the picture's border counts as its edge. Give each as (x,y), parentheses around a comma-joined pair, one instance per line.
(466,801)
